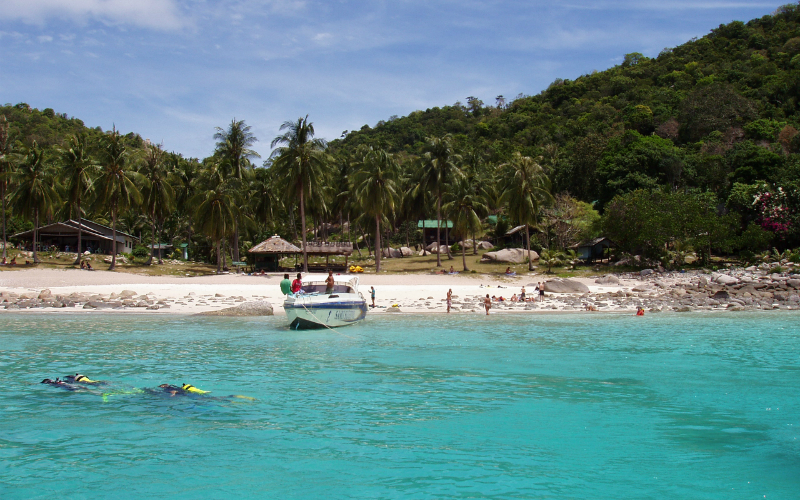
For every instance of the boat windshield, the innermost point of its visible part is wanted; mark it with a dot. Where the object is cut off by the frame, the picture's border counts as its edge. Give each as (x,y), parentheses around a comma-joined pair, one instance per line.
(321,288)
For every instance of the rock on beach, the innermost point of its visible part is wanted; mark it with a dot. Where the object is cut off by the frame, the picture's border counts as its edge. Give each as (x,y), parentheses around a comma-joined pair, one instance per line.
(252,308)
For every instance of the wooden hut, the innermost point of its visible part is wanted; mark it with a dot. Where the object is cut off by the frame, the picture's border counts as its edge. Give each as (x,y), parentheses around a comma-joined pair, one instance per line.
(327,249)
(268,253)
(593,249)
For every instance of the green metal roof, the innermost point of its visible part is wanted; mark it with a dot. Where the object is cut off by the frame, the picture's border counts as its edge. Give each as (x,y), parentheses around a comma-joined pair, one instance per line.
(431,224)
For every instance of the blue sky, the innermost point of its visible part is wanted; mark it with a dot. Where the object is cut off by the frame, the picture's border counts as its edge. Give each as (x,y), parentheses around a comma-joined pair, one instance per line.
(172,70)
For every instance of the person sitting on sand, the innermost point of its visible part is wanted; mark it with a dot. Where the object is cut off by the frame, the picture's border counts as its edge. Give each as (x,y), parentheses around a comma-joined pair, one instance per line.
(13,261)
(509,272)
(514,298)
(591,307)
(89,266)
(640,311)
(83,264)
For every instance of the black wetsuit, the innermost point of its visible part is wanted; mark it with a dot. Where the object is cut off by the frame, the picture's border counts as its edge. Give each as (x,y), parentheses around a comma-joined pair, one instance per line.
(63,385)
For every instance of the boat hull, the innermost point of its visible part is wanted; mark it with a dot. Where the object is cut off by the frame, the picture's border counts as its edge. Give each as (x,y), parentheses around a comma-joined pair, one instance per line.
(311,312)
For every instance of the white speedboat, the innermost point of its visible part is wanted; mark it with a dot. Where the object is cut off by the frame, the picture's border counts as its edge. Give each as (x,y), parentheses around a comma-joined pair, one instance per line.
(314,308)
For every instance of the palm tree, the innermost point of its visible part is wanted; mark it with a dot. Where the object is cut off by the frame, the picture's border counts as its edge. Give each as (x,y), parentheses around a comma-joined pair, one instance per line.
(233,147)
(158,194)
(375,189)
(116,187)
(301,166)
(439,167)
(464,205)
(36,194)
(6,170)
(216,210)
(78,169)
(525,188)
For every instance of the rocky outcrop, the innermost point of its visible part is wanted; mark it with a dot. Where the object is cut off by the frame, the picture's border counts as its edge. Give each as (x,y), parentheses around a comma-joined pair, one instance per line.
(406,251)
(509,255)
(565,286)
(252,308)
(608,279)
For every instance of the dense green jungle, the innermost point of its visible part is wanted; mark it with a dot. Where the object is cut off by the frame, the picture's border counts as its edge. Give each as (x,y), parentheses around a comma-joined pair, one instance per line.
(695,151)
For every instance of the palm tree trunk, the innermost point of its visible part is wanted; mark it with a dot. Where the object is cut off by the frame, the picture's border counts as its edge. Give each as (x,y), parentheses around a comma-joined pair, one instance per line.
(235,249)
(113,239)
(303,224)
(35,236)
(153,233)
(293,223)
(80,235)
(5,241)
(160,232)
(219,256)
(474,244)
(528,238)
(447,241)
(438,229)
(464,258)
(377,243)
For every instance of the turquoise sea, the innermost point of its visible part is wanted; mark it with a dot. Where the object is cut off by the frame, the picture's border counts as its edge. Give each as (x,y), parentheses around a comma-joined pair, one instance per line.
(562,406)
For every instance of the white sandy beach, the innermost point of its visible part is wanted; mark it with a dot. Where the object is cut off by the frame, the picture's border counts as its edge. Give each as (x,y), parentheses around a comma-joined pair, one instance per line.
(412,293)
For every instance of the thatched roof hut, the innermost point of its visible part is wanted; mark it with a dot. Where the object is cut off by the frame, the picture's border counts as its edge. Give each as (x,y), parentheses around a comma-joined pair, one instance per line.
(275,245)
(266,255)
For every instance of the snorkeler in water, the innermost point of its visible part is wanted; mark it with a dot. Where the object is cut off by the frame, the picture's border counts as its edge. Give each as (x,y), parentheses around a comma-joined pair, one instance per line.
(190,390)
(63,385)
(82,379)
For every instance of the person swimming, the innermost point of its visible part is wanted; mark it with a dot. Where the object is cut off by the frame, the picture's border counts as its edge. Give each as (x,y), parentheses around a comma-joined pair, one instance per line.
(82,379)
(192,391)
(63,385)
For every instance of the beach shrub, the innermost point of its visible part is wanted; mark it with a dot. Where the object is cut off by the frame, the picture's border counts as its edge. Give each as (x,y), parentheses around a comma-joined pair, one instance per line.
(140,252)
(776,270)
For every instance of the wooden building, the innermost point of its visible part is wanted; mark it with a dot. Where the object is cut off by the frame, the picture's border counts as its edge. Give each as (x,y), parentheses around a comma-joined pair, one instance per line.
(267,254)
(95,238)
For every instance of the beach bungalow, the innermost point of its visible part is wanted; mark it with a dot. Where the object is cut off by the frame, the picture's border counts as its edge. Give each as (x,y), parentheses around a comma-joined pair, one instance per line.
(267,254)
(594,249)
(95,237)
(429,230)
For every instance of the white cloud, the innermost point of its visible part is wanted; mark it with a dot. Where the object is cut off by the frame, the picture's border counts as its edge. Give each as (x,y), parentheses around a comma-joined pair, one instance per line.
(154,14)
(44,38)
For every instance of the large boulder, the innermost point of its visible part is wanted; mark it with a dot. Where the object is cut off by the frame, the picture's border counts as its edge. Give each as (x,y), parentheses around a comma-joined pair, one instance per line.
(252,308)
(406,252)
(608,279)
(724,279)
(485,245)
(565,286)
(391,252)
(509,255)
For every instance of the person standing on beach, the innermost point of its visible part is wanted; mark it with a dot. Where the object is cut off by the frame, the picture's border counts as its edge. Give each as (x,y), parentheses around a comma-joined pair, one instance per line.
(372,294)
(487,304)
(541,292)
(449,299)
(286,285)
(522,295)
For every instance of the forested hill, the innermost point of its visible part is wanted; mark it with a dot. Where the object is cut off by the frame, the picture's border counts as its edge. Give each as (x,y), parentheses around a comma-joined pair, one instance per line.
(707,114)
(49,128)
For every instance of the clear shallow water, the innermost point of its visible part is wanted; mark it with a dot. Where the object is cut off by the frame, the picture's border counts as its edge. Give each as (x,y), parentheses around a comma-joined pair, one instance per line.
(574,406)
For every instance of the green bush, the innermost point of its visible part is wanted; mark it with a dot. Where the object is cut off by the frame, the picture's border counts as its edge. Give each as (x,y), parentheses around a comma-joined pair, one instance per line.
(140,252)
(776,269)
